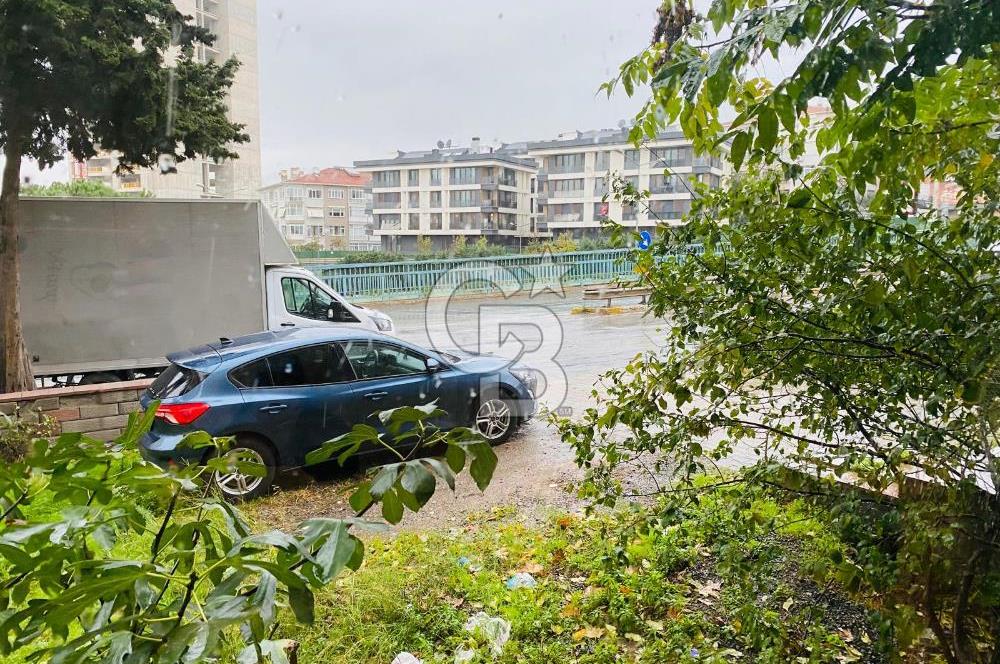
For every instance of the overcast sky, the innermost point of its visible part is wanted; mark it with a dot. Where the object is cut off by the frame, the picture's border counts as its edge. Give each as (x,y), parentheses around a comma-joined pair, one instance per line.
(342,81)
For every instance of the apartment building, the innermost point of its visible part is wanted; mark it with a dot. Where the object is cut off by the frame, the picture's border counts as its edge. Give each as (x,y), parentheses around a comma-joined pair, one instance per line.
(328,208)
(234,22)
(445,193)
(575,174)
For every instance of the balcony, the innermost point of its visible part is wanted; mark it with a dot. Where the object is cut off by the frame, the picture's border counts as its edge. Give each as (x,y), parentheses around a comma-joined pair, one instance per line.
(567,217)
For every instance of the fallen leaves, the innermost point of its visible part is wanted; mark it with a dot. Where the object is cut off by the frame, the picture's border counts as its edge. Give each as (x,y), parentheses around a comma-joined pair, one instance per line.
(590,632)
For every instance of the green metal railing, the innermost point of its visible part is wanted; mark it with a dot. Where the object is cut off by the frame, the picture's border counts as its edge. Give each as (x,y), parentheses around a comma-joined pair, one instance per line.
(413,279)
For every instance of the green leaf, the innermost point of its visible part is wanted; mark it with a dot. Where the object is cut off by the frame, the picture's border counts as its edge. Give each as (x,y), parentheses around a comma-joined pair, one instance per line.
(455,456)
(740,144)
(302,602)
(767,128)
(392,507)
(798,198)
(484,462)
(418,480)
(362,497)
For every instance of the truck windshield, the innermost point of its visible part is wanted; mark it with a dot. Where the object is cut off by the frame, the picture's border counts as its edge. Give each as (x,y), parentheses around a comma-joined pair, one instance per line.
(174,382)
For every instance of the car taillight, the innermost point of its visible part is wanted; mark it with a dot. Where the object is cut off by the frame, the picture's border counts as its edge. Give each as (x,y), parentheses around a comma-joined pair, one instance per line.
(181,413)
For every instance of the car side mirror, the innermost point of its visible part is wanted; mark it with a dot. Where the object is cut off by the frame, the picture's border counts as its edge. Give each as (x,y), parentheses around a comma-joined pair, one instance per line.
(432,365)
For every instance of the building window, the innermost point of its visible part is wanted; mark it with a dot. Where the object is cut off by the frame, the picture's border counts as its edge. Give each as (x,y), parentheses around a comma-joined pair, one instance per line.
(507,199)
(464,198)
(295,193)
(566,188)
(602,161)
(414,223)
(337,212)
(295,229)
(338,230)
(467,221)
(565,212)
(435,199)
(508,177)
(387,222)
(357,194)
(413,198)
(601,187)
(435,177)
(674,209)
(334,192)
(601,211)
(435,221)
(315,231)
(666,184)
(385,179)
(566,163)
(628,212)
(631,159)
(293,208)
(315,193)
(466,175)
(387,200)
(413,178)
(670,157)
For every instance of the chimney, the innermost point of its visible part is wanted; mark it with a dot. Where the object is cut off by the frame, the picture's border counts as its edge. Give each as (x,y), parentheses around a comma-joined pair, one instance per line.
(474,148)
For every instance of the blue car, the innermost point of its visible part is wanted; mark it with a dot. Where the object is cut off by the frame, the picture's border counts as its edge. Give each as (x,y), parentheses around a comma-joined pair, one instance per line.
(282,394)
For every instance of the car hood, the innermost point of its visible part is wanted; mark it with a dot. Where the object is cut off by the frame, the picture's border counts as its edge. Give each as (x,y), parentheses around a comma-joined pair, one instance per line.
(473,363)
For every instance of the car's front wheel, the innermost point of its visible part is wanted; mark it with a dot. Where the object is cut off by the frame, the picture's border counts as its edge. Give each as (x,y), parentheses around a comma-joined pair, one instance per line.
(239,486)
(495,419)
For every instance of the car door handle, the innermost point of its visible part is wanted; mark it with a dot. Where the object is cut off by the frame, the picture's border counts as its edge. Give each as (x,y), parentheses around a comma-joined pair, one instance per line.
(375,396)
(273,408)
(288,325)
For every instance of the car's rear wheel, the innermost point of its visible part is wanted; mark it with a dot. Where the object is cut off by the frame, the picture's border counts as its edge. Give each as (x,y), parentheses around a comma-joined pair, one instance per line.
(239,486)
(495,419)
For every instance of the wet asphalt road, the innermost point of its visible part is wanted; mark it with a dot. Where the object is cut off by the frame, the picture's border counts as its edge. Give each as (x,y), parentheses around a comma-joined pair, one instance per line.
(535,467)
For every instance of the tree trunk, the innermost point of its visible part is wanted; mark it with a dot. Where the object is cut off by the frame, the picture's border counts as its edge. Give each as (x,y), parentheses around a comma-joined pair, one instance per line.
(15,365)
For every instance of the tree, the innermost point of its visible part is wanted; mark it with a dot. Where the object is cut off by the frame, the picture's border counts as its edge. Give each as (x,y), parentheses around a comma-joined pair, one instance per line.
(83,75)
(82,188)
(827,327)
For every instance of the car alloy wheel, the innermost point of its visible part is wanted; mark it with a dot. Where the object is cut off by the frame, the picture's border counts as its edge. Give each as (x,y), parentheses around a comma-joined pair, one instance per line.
(493,420)
(237,484)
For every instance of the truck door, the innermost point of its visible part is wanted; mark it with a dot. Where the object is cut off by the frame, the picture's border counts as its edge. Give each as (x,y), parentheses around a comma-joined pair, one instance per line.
(296,301)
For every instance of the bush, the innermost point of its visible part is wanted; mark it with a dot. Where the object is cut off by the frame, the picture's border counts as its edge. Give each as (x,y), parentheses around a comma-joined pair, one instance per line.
(89,574)
(16,432)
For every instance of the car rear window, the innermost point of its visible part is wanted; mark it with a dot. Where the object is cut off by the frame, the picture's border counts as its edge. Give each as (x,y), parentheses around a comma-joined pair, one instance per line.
(175,381)
(321,364)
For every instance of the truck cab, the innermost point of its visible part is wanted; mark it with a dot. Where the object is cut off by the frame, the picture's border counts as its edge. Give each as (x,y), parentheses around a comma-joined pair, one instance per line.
(297,298)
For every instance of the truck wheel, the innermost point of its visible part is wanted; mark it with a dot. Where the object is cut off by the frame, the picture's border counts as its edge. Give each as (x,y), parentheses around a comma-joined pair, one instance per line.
(239,487)
(99,377)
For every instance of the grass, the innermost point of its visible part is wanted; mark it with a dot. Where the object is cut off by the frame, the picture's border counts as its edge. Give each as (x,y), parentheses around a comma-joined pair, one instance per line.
(710,584)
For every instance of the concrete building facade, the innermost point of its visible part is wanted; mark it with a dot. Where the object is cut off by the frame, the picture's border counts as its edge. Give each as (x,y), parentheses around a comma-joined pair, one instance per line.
(234,22)
(446,193)
(328,208)
(575,174)
(519,192)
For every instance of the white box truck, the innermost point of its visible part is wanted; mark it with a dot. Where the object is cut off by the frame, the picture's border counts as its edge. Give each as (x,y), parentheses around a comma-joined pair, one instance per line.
(109,286)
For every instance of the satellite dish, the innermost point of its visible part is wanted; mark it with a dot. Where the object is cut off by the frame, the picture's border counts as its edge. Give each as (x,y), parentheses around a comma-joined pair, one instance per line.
(440,144)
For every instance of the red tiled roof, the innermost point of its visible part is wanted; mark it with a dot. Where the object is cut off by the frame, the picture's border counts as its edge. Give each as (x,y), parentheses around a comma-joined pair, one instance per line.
(335,175)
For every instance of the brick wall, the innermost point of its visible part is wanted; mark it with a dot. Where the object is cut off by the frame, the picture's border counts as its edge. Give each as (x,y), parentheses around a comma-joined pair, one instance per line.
(99,411)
